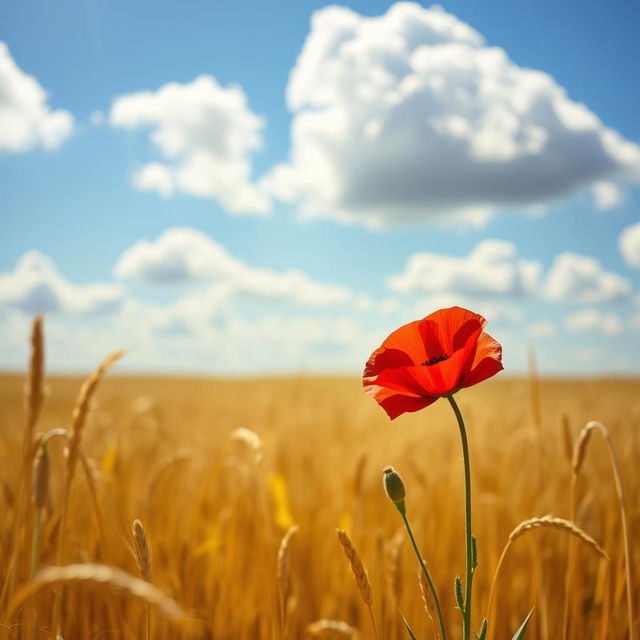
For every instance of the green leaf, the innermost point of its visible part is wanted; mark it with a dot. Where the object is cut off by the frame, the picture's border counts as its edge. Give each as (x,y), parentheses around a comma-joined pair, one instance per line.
(408,628)
(519,634)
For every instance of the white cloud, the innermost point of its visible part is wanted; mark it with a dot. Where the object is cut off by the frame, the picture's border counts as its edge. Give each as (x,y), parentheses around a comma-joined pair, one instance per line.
(26,120)
(155,177)
(411,114)
(182,255)
(593,320)
(206,134)
(629,244)
(578,278)
(492,268)
(36,286)
(607,195)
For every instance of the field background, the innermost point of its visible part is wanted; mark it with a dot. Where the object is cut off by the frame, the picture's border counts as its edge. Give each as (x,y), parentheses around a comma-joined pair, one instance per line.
(161,451)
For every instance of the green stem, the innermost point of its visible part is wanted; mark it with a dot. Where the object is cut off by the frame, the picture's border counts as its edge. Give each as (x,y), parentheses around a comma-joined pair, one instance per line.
(466,630)
(403,512)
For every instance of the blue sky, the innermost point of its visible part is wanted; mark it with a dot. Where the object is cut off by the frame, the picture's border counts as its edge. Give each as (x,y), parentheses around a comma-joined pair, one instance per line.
(321,183)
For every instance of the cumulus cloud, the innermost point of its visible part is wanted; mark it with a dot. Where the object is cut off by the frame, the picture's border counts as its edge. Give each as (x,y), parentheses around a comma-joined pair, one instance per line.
(492,268)
(26,120)
(593,320)
(36,286)
(629,244)
(577,278)
(183,255)
(607,195)
(411,114)
(206,135)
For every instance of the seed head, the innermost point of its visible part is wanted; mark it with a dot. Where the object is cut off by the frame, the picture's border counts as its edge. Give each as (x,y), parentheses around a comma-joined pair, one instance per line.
(393,485)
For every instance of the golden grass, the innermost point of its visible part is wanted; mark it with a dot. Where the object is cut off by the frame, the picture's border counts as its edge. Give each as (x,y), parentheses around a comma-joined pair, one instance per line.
(216,506)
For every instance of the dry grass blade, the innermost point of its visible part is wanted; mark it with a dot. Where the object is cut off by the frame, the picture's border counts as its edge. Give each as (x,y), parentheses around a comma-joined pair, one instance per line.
(141,550)
(100,576)
(328,628)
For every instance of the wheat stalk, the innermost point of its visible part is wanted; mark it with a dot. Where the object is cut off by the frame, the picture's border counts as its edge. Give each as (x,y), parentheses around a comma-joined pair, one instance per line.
(550,522)
(567,437)
(578,458)
(33,399)
(359,573)
(78,421)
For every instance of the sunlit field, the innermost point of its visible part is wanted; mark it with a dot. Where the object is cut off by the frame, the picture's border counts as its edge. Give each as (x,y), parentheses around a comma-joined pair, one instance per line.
(215,504)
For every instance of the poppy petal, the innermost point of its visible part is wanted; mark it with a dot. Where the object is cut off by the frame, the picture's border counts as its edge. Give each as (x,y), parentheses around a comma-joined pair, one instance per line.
(398,404)
(409,381)
(448,330)
(487,361)
(384,358)
(409,340)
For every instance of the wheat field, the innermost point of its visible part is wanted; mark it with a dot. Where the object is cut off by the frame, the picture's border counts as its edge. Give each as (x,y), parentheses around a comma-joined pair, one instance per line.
(237,533)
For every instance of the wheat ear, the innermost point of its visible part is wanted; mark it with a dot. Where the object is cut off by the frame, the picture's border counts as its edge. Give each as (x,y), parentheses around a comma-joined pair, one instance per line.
(327,627)
(34,393)
(359,573)
(532,524)
(283,575)
(141,551)
(142,555)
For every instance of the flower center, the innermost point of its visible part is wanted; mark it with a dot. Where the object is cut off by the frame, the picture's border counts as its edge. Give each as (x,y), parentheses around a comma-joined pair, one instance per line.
(435,360)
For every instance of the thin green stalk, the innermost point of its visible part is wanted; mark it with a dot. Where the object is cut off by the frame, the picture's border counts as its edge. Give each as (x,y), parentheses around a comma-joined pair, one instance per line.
(466,630)
(403,512)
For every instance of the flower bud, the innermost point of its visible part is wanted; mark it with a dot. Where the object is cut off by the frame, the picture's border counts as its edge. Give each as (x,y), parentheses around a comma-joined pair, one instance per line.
(393,485)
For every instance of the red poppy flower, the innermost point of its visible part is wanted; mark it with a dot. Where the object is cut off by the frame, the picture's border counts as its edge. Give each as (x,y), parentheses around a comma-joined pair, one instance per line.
(430,358)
